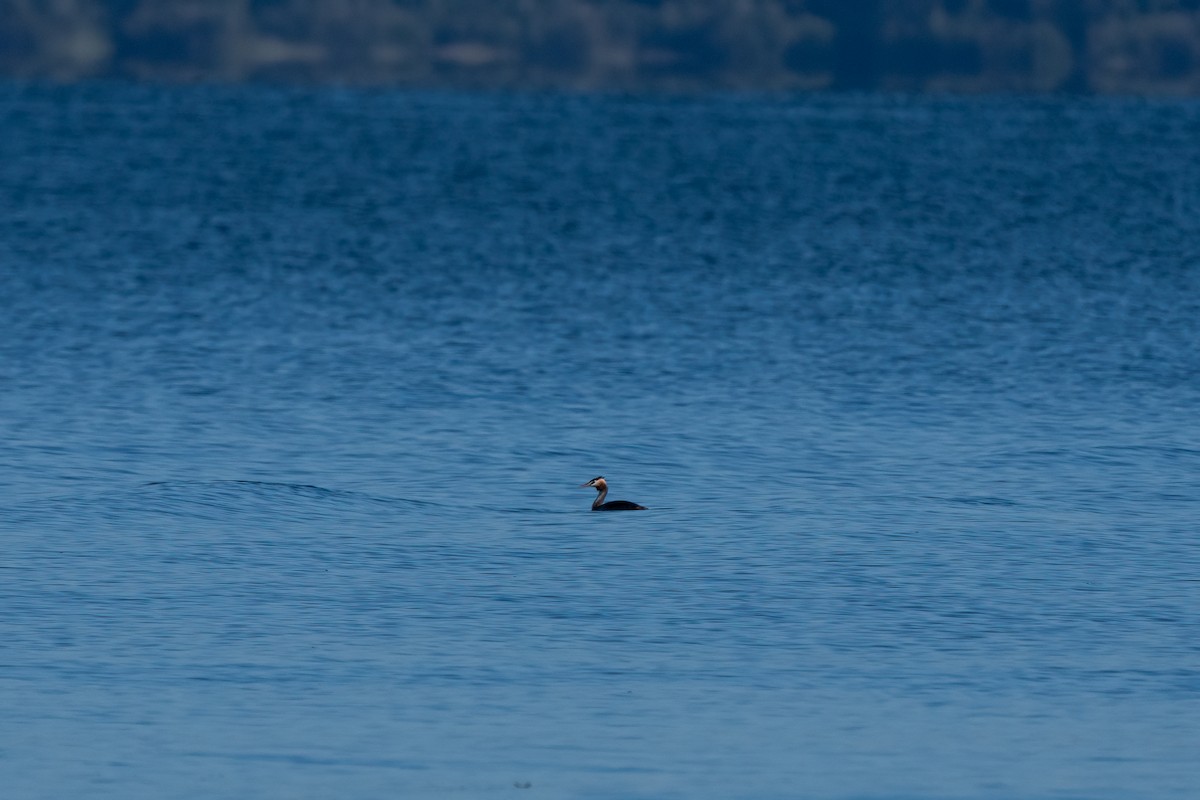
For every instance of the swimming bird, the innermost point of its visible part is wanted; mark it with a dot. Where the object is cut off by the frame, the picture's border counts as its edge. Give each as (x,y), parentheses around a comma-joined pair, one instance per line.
(601,486)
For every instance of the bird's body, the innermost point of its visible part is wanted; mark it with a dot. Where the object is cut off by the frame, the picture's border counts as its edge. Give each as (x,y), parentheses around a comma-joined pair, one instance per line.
(601,486)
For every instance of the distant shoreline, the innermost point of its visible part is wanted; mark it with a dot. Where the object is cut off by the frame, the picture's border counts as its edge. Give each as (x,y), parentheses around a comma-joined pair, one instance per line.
(956,46)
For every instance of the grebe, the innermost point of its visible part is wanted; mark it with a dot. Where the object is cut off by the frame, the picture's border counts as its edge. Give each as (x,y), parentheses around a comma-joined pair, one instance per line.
(601,486)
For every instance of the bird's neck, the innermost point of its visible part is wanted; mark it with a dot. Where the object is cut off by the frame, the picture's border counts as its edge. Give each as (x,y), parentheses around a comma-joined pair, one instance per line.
(603,492)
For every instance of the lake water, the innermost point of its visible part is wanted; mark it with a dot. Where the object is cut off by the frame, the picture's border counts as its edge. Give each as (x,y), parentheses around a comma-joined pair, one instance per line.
(297,389)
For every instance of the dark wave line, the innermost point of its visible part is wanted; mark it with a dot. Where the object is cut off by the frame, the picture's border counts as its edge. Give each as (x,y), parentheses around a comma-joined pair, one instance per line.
(307,489)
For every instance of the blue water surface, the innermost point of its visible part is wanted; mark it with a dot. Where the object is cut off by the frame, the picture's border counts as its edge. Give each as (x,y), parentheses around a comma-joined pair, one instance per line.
(297,389)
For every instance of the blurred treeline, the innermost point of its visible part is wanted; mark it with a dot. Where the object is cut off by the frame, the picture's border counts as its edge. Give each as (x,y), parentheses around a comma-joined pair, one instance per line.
(956,45)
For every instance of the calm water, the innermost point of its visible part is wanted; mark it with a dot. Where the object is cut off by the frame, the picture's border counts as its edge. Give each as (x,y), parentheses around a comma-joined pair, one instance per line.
(298,388)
